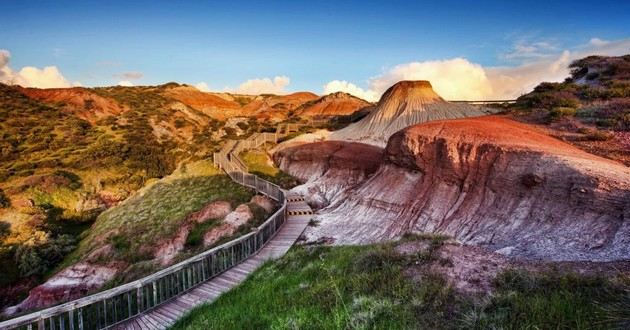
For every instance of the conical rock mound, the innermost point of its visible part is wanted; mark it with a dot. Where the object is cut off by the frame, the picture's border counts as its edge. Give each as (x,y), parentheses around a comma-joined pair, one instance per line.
(404,104)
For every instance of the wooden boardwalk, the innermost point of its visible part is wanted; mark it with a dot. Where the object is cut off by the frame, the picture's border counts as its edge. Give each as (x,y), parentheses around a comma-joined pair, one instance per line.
(165,315)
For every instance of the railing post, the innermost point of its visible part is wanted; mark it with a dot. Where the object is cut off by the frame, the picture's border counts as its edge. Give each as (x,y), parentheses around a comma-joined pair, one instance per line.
(139,299)
(71,319)
(80,315)
(155,295)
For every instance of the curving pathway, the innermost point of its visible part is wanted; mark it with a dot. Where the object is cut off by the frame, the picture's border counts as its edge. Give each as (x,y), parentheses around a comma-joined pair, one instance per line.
(166,314)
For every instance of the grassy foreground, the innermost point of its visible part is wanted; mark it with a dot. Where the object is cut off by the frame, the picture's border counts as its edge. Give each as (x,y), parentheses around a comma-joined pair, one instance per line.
(365,288)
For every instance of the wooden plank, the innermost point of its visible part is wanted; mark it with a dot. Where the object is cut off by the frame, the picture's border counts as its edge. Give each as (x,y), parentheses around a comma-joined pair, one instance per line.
(166,314)
(166,321)
(152,322)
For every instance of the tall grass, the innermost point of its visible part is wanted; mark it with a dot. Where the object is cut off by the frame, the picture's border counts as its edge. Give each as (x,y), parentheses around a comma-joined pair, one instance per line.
(365,287)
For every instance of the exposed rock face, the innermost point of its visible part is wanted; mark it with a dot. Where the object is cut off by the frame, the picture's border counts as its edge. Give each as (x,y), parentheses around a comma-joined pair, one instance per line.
(240,216)
(169,249)
(402,105)
(328,168)
(485,181)
(71,283)
(265,202)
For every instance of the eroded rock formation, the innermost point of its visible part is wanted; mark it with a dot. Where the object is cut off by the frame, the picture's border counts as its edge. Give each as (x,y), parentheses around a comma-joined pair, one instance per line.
(486,181)
(404,104)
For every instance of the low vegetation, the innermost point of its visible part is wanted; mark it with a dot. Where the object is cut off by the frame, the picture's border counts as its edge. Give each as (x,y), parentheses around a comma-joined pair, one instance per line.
(365,287)
(157,211)
(259,163)
(597,92)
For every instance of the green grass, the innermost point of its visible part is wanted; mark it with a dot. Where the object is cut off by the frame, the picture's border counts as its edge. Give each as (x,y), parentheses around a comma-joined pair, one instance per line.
(330,288)
(158,210)
(364,287)
(258,163)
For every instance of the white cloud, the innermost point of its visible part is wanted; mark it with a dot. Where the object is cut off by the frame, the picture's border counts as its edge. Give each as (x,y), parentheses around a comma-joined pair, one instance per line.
(48,77)
(125,83)
(131,75)
(276,85)
(350,88)
(525,50)
(460,79)
(455,78)
(202,86)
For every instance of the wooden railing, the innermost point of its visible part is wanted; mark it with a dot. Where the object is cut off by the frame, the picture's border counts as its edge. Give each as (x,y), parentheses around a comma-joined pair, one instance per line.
(487,102)
(110,307)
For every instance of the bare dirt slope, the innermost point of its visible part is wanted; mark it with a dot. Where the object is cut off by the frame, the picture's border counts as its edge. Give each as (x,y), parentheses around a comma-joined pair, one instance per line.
(335,104)
(402,105)
(486,181)
(78,101)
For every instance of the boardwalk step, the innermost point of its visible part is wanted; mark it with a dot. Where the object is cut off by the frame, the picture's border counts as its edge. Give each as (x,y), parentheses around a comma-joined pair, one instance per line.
(300,212)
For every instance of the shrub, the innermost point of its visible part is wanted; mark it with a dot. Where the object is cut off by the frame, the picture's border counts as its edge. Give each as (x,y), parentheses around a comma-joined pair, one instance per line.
(75,180)
(561,112)
(36,257)
(195,237)
(4,200)
(5,230)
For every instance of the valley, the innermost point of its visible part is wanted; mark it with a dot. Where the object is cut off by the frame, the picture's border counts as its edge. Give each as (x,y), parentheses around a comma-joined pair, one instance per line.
(426,211)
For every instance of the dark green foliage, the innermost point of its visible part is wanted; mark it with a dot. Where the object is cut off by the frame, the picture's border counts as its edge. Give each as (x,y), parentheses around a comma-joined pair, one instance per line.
(5,230)
(195,236)
(38,258)
(4,200)
(10,272)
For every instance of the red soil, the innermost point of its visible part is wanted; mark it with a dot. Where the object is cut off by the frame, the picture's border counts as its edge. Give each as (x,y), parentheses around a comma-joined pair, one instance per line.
(79,101)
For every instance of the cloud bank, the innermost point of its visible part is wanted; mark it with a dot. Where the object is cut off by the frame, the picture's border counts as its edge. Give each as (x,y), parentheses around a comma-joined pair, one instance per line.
(28,76)
(275,85)
(460,79)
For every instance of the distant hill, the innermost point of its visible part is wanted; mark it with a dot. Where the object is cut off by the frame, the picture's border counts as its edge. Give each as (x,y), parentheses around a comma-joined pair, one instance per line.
(597,92)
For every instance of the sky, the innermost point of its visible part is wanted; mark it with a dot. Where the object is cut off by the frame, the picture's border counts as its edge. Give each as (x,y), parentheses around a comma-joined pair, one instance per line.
(468,49)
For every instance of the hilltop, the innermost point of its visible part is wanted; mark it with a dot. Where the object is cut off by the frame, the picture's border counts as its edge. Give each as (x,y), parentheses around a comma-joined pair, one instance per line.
(590,109)
(404,104)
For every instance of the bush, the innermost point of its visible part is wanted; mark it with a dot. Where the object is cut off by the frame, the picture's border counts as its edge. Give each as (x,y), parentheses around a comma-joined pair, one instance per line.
(75,180)
(195,237)
(5,230)
(38,256)
(561,112)
(4,200)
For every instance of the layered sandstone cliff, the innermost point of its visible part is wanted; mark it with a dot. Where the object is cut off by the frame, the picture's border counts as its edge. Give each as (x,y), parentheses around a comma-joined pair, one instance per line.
(486,181)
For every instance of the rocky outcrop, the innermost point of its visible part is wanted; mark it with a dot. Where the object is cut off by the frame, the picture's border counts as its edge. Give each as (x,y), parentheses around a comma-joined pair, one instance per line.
(240,216)
(485,181)
(169,249)
(404,104)
(328,168)
(71,283)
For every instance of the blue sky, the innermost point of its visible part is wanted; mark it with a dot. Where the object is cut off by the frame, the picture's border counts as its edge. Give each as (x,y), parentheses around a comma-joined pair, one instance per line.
(224,44)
